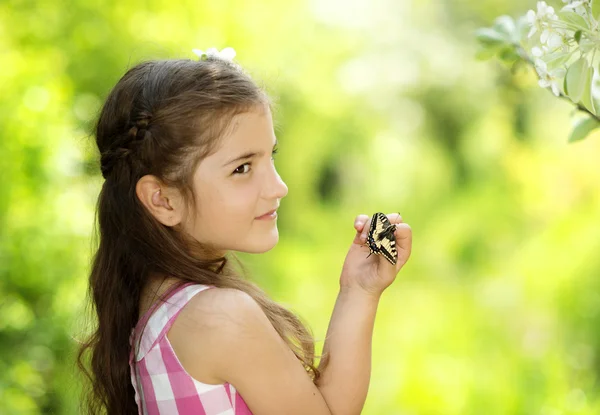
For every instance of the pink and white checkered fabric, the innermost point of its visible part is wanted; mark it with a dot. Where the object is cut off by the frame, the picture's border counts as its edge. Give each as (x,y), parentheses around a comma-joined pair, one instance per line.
(162,386)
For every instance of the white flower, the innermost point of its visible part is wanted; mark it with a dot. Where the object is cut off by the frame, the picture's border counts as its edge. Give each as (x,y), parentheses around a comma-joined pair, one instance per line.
(571,4)
(532,21)
(544,11)
(226,54)
(544,16)
(550,79)
(552,37)
(578,6)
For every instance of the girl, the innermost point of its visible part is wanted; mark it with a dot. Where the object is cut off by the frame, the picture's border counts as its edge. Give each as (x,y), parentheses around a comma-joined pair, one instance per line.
(186,153)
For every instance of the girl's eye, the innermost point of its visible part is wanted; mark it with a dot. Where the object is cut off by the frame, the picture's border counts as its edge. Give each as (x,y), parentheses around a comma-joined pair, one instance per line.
(242,169)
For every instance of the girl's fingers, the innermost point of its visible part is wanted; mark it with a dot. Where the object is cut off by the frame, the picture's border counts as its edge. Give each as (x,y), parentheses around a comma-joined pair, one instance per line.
(403,242)
(359,222)
(359,226)
(361,219)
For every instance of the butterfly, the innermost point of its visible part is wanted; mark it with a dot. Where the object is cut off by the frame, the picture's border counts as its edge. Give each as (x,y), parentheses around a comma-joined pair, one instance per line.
(381,239)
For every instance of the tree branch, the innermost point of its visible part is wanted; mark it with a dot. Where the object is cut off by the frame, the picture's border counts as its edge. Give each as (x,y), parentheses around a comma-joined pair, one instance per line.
(525,57)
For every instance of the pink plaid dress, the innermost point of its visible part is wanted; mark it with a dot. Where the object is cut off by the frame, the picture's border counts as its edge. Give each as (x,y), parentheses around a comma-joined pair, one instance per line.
(162,386)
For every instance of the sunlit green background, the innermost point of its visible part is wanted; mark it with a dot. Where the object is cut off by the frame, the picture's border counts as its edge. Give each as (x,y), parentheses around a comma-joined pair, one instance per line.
(381,107)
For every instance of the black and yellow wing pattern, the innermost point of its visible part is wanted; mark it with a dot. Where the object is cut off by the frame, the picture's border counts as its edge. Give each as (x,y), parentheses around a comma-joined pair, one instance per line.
(381,239)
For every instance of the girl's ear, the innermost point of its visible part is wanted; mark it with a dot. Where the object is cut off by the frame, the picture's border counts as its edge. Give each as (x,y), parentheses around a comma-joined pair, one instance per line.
(164,203)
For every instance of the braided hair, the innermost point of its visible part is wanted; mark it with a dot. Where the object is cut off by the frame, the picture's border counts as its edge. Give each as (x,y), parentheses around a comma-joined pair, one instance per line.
(126,146)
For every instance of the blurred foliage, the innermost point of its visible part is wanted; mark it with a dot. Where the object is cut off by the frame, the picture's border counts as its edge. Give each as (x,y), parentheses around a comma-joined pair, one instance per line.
(382,106)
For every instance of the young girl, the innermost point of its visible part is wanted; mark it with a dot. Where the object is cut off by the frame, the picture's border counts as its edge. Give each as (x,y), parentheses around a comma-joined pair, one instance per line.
(186,153)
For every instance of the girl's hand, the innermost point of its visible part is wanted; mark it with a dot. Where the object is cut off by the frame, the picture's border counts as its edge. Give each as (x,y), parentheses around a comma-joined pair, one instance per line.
(375,273)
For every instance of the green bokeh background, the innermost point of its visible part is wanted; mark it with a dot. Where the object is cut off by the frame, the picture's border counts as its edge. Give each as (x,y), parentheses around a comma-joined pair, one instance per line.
(381,107)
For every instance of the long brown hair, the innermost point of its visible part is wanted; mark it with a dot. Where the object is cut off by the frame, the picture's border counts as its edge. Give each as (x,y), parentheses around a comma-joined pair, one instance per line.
(162,118)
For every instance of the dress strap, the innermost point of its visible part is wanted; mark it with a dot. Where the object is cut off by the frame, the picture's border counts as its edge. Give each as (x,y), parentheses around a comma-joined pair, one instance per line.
(157,321)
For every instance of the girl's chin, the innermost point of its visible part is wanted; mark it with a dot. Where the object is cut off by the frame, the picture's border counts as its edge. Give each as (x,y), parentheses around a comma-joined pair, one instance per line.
(264,244)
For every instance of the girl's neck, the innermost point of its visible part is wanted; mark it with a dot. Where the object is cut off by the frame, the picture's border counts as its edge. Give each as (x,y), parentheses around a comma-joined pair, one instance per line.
(154,289)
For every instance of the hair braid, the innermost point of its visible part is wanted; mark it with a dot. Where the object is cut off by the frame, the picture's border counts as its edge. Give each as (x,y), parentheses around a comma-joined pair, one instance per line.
(125,147)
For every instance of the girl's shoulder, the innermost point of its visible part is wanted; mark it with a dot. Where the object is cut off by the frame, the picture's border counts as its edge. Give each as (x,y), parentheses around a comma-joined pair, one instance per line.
(210,322)
(216,311)
(215,303)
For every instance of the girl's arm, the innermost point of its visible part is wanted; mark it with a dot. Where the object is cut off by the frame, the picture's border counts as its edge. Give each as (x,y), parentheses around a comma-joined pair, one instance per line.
(346,366)
(346,363)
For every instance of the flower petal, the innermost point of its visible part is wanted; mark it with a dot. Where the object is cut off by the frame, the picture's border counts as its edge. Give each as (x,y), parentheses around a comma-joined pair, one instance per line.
(228,53)
(541,65)
(537,52)
(532,31)
(555,41)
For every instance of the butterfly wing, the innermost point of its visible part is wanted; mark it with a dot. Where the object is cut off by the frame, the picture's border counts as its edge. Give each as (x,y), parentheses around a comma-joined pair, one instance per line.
(381,239)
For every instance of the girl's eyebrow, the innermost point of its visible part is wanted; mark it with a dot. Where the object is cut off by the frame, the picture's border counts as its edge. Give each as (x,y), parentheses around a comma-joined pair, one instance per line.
(247,155)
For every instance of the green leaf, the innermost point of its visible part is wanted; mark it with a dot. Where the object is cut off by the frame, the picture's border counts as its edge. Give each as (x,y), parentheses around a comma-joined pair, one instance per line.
(583,128)
(505,25)
(596,9)
(490,37)
(508,54)
(586,97)
(523,28)
(575,79)
(596,103)
(573,18)
(578,36)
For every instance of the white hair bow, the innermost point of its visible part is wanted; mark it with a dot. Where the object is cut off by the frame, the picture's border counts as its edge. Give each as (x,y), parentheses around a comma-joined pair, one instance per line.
(226,54)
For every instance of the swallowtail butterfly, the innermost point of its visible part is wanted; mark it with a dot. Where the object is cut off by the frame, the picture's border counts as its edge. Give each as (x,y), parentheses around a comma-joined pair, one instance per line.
(381,239)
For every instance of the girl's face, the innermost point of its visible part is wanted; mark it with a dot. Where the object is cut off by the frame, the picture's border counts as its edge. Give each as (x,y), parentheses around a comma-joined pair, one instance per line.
(236,185)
